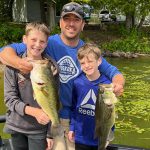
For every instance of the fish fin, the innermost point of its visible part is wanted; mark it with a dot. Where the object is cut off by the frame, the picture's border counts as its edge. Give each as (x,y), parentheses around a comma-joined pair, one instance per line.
(53,66)
(57,130)
(34,97)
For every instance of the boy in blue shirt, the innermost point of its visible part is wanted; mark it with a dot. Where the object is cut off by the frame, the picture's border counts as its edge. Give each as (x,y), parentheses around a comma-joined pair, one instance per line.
(85,91)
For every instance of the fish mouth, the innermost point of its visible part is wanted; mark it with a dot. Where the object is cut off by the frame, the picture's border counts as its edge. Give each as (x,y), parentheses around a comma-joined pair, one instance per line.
(110,105)
(39,83)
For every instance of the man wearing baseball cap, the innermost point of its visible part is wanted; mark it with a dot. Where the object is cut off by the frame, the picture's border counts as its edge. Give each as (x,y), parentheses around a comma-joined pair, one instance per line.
(73,8)
(71,22)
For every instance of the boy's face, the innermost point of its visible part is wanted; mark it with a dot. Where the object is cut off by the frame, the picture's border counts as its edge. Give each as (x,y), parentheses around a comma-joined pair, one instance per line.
(89,64)
(36,42)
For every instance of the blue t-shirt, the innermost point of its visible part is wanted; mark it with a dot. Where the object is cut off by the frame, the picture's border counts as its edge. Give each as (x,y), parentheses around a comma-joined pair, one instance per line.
(82,123)
(66,58)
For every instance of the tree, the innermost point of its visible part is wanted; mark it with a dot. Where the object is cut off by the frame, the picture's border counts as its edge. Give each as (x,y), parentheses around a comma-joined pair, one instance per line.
(59,5)
(133,9)
(6,10)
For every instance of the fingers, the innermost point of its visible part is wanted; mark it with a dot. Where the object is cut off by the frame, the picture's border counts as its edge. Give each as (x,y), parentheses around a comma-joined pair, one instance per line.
(43,122)
(50,143)
(25,66)
(71,136)
(118,89)
(42,117)
(119,93)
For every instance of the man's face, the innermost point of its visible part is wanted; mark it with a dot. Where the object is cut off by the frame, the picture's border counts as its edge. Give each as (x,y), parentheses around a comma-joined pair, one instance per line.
(36,42)
(71,26)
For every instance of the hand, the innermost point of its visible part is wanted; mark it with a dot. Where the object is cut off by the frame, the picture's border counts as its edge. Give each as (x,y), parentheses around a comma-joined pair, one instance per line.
(118,84)
(71,136)
(50,143)
(24,65)
(38,113)
(118,89)
(41,117)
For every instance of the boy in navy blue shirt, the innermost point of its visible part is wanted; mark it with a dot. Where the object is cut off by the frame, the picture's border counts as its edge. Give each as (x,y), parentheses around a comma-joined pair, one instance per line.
(85,91)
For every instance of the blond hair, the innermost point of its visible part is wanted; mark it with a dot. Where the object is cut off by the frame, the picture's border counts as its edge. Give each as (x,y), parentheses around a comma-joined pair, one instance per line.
(37,26)
(87,49)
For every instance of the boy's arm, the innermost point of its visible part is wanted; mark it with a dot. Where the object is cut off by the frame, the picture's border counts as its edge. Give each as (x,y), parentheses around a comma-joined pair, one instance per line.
(37,113)
(9,57)
(114,75)
(13,101)
(11,98)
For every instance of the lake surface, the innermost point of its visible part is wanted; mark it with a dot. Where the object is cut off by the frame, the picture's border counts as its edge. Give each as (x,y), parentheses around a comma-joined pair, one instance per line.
(133,123)
(133,110)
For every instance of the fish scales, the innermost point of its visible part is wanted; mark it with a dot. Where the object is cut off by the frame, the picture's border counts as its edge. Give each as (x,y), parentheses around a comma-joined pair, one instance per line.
(104,113)
(45,91)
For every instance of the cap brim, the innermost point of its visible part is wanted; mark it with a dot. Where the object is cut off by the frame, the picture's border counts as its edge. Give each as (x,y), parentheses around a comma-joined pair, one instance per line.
(65,13)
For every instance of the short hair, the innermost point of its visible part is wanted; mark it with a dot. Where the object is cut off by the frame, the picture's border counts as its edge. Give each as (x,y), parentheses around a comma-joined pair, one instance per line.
(37,26)
(89,48)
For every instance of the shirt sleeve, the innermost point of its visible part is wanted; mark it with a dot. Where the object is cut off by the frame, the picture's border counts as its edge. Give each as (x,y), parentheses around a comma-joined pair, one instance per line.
(18,47)
(73,110)
(108,70)
(11,92)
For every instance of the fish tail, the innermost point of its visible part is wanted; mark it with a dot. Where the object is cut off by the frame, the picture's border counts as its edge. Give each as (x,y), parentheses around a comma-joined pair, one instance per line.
(101,146)
(57,130)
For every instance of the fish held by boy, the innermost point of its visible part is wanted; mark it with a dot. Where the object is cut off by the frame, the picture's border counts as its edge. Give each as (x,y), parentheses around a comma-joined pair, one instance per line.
(45,91)
(104,114)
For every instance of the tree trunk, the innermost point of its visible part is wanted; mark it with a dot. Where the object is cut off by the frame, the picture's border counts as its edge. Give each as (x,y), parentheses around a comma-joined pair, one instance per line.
(6,10)
(141,22)
(43,15)
(129,21)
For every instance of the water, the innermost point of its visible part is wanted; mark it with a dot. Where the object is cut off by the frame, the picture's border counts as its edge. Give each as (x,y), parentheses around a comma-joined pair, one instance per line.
(133,123)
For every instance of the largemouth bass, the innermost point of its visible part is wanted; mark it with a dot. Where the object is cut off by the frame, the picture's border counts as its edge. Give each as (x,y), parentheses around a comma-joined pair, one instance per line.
(44,88)
(104,114)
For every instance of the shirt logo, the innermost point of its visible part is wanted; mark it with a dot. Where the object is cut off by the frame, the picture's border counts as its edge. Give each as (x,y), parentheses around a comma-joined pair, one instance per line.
(88,104)
(68,69)
(90,96)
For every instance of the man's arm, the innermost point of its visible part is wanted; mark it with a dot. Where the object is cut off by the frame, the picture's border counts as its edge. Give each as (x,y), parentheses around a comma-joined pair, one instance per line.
(114,75)
(118,82)
(9,57)
(14,102)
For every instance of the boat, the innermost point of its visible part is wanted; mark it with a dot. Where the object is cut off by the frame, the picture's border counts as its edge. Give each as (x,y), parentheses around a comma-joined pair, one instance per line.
(5,144)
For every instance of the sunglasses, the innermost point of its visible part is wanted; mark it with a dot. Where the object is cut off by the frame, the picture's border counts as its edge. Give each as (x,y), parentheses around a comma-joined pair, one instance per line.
(73,7)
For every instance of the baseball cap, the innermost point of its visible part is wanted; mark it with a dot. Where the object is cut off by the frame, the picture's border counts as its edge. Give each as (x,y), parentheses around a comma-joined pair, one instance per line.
(73,8)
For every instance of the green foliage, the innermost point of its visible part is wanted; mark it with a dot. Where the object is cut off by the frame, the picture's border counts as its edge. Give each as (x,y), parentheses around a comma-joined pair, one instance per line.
(132,41)
(59,5)
(82,1)
(10,33)
(133,9)
(55,30)
(6,10)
